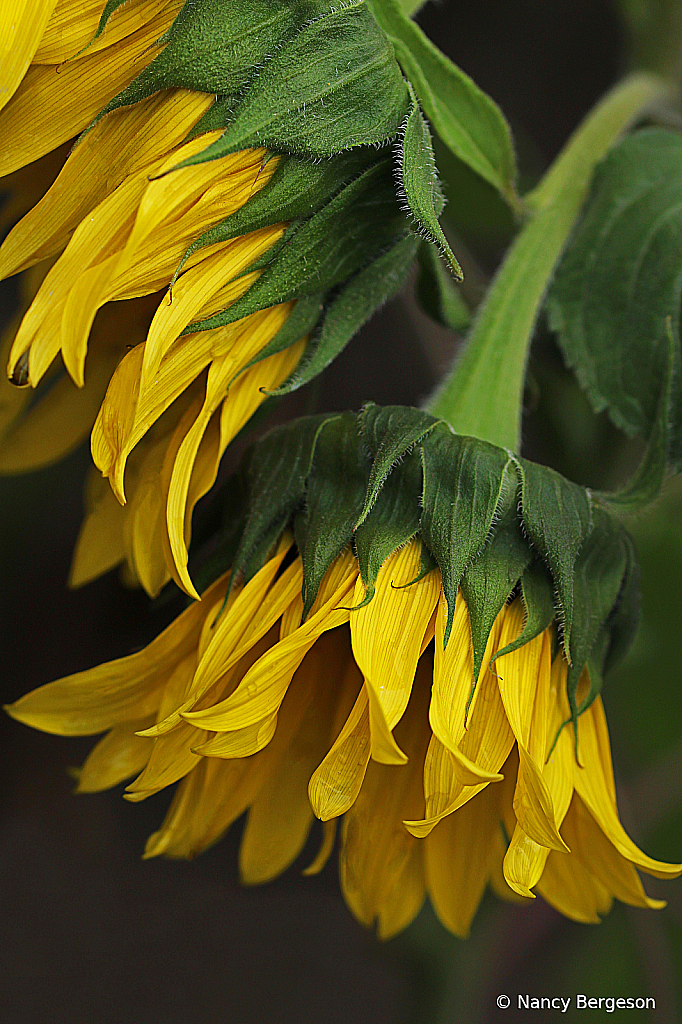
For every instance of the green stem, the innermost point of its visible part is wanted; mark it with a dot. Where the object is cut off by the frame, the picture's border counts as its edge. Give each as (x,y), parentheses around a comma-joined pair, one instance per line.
(482,395)
(411,7)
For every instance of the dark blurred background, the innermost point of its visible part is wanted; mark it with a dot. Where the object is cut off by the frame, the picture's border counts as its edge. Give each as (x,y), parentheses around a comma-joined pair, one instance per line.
(91,934)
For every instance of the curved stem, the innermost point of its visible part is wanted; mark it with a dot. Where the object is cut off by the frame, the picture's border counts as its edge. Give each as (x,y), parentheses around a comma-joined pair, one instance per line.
(482,395)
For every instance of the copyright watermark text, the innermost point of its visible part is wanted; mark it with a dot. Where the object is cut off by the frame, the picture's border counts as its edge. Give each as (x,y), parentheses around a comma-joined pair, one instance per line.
(608,1004)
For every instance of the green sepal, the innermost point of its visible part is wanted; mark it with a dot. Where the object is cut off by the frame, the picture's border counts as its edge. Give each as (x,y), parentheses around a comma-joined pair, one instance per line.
(109,8)
(557,516)
(436,293)
(301,321)
(334,85)
(297,190)
(393,520)
(334,496)
(326,249)
(615,300)
(598,580)
(389,432)
(463,479)
(278,474)
(418,183)
(213,47)
(491,577)
(468,121)
(350,308)
(624,619)
(537,597)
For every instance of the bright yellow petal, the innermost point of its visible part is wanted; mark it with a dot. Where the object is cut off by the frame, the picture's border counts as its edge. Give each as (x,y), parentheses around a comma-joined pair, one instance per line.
(521,675)
(121,144)
(22,23)
(102,697)
(74,23)
(336,782)
(262,689)
(387,637)
(326,848)
(525,859)
(252,611)
(118,756)
(594,784)
(59,103)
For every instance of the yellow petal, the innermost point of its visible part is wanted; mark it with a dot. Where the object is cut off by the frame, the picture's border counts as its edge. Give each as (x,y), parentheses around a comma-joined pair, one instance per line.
(457,863)
(525,859)
(522,676)
(336,782)
(89,82)
(172,757)
(122,143)
(239,628)
(380,864)
(594,784)
(326,848)
(262,689)
(280,817)
(118,755)
(100,544)
(99,698)
(387,636)
(485,747)
(572,890)
(74,23)
(22,23)
(594,851)
(117,413)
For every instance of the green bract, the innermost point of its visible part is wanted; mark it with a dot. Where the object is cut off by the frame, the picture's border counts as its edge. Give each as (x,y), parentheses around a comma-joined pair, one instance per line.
(330,88)
(494,525)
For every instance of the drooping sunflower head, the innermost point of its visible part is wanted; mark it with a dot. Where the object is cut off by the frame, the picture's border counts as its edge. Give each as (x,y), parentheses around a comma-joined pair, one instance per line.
(237,198)
(411,631)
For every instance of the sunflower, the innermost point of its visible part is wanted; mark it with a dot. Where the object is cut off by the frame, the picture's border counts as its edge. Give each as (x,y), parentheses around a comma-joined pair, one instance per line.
(363,712)
(114,227)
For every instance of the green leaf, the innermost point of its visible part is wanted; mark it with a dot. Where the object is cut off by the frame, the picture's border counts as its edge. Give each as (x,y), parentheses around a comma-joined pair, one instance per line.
(393,521)
(469,122)
(419,183)
(278,473)
(436,293)
(536,593)
(297,190)
(617,292)
(463,480)
(334,498)
(599,572)
(389,432)
(214,45)
(333,86)
(557,516)
(489,580)
(326,249)
(351,307)
(647,482)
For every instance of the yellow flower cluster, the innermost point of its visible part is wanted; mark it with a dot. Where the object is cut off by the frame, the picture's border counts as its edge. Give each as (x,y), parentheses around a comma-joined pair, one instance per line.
(362,713)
